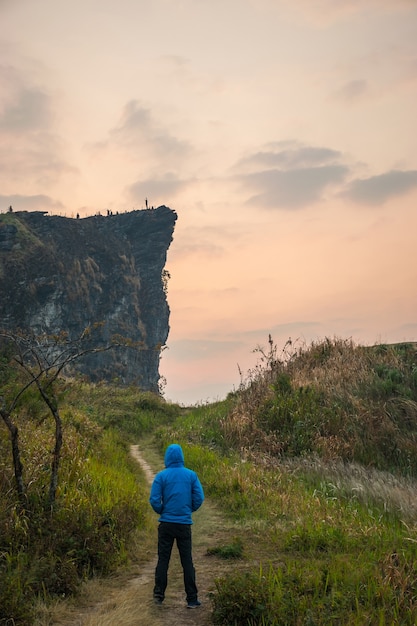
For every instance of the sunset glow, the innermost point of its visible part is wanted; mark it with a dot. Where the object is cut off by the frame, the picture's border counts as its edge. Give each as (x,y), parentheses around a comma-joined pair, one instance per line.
(282,132)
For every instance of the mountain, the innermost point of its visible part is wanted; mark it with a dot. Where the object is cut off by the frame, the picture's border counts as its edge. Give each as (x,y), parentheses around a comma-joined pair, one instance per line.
(61,274)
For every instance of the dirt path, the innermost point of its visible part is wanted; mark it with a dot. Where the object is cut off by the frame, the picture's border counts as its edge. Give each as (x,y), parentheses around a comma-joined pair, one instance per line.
(137,455)
(130,603)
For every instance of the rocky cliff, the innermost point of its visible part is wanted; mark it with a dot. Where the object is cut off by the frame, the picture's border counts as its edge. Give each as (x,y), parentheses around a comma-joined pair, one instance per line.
(60,274)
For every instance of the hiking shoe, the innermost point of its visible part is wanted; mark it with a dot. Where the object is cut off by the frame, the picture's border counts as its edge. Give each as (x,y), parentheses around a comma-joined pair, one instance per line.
(157,600)
(194,605)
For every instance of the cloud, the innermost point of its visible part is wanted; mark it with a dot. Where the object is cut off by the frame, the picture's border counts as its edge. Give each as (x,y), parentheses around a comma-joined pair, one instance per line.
(24,105)
(290,328)
(27,110)
(202,349)
(33,159)
(376,190)
(352,91)
(292,189)
(208,241)
(138,129)
(290,175)
(38,202)
(156,189)
(207,249)
(409,329)
(4,4)
(288,155)
(328,11)
(32,152)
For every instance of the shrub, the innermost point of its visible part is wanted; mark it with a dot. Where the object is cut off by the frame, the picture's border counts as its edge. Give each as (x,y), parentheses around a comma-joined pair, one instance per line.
(240,599)
(232,550)
(331,399)
(309,592)
(100,503)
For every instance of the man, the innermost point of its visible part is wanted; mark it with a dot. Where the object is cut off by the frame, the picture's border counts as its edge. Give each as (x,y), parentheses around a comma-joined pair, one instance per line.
(176,493)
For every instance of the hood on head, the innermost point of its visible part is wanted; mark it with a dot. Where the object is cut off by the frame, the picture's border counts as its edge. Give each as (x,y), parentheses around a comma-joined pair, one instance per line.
(174,456)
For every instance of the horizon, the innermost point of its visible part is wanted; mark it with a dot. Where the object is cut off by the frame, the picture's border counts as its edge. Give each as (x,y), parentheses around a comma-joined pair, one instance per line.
(282,134)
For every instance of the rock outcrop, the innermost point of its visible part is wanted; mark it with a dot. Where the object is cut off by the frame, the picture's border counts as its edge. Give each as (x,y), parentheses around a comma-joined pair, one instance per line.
(60,274)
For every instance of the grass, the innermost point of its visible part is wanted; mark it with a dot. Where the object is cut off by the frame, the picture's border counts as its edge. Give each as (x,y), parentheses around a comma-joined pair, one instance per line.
(300,463)
(233,550)
(101,507)
(325,555)
(313,461)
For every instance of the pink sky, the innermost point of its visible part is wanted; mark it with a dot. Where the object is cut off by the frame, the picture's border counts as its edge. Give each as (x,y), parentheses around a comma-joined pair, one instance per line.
(283,133)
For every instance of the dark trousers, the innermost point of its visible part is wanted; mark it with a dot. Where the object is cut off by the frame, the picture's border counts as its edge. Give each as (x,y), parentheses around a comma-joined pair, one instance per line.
(167,532)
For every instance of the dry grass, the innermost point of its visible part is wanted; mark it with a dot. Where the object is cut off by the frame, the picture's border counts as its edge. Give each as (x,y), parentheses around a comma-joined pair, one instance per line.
(332,399)
(352,481)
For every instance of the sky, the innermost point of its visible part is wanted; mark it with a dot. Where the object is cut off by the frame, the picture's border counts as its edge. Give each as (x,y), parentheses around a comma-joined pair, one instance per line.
(282,132)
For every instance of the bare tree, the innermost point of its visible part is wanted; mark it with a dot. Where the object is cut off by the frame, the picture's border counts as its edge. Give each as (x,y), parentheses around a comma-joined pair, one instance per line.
(42,359)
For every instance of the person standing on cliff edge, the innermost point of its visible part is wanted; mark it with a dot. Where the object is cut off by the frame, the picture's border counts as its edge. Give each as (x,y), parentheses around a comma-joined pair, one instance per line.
(176,493)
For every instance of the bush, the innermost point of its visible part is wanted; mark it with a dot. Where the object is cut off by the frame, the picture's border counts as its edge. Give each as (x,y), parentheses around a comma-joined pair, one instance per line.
(320,594)
(242,598)
(333,400)
(100,503)
(232,550)
(16,591)
(126,410)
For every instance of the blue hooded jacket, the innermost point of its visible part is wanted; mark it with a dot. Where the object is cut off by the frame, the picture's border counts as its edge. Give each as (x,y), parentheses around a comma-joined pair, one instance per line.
(176,491)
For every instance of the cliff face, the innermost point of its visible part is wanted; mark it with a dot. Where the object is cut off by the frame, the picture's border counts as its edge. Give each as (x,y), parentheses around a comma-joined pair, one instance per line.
(60,274)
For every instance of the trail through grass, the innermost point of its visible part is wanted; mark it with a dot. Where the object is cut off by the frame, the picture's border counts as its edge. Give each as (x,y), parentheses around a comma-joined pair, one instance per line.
(126,600)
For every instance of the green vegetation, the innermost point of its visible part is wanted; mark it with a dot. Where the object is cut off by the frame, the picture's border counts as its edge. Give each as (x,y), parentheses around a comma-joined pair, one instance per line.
(313,459)
(25,238)
(232,550)
(101,507)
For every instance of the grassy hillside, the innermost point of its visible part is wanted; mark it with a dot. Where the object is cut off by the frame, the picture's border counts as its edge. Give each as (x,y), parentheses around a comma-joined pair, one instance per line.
(102,501)
(314,459)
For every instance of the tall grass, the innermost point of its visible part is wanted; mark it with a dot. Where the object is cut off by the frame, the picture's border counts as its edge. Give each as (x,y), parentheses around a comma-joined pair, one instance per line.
(101,499)
(126,410)
(323,553)
(314,459)
(300,461)
(333,399)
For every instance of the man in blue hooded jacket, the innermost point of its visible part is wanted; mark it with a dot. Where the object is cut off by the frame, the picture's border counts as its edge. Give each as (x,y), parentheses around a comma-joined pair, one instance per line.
(176,493)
